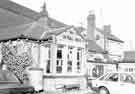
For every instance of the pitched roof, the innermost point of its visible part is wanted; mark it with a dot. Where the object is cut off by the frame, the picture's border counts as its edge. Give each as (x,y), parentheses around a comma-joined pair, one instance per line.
(64,29)
(12,32)
(109,35)
(129,55)
(93,47)
(18,9)
(16,20)
(12,14)
(36,30)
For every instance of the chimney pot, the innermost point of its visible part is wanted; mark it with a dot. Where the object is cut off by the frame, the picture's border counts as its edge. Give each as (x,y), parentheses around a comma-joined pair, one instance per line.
(107,28)
(91,25)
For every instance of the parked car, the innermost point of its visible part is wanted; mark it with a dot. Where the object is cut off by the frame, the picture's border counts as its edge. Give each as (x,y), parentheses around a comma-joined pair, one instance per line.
(115,83)
(9,84)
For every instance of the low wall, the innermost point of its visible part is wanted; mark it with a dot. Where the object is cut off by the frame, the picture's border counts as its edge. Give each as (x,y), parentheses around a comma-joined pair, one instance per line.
(36,78)
(56,83)
(97,69)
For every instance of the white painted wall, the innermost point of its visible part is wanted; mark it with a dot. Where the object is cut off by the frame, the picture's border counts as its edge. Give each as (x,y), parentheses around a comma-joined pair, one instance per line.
(61,40)
(43,57)
(36,78)
(127,67)
(116,49)
(100,42)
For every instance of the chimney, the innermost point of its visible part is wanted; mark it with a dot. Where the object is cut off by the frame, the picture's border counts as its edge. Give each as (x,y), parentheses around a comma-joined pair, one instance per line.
(43,17)
(107,29)
(91,25)
(44,11)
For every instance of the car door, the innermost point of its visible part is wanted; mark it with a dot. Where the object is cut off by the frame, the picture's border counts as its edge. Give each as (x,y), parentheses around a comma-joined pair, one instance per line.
(112,83)
(127,83)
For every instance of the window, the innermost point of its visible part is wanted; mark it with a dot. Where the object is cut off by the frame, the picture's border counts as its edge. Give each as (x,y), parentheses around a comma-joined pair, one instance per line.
(103,77)
(70,59)
(78,60)
(59,61)
(48,61)
(78,56)
(48,67)
(69,66)
(59,53)
(113,77)
(49,53)
(127,78)
(97,71)
(59,64)
(78,67)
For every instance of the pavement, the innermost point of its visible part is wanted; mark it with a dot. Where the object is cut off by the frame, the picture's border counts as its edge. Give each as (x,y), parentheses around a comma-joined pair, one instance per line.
(86,91)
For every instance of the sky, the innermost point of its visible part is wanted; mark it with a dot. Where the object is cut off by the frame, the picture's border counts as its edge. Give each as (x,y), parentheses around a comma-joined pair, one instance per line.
(119,14)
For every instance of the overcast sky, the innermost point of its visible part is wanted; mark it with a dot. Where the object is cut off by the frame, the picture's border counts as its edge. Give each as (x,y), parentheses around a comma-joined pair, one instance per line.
(119,14)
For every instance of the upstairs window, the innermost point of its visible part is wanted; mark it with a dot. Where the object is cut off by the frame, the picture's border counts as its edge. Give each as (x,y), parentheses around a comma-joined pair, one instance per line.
(70,59)
(59,61)
(59,53)
(48,61)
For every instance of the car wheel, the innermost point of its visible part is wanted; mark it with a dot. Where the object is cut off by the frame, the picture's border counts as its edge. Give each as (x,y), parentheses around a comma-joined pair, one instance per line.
(103,90)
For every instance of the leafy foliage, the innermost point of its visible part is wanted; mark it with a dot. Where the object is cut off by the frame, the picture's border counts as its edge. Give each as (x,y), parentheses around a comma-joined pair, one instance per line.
(16,63)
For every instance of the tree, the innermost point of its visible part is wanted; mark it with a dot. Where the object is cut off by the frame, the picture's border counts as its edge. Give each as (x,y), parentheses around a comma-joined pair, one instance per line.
(16,63)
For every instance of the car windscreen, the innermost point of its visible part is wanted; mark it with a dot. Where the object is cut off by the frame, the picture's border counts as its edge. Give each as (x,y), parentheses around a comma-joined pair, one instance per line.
(114,77)
(103,77)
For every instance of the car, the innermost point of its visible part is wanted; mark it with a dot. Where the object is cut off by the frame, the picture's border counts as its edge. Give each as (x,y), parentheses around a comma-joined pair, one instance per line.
(115,83)
(9,84)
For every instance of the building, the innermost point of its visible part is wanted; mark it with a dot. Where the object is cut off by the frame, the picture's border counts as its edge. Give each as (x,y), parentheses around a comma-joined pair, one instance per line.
(103,47)
(66,64)
(104,38)
(128,62)
(112,44)
(24,23)
(57,48)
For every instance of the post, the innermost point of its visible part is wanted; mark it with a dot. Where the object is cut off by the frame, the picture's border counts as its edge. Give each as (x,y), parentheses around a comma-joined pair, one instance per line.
(36,78)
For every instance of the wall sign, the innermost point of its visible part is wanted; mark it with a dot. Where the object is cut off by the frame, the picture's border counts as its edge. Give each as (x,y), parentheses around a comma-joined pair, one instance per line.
(68,37)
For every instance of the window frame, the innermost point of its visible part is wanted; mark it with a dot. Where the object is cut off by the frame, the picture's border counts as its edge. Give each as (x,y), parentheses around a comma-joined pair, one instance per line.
(111,80)
(126,74)
(69,66)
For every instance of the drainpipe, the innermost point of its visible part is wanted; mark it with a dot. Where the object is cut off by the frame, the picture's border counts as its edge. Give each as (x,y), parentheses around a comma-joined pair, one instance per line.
(117,67)
(104,42)
(38,63)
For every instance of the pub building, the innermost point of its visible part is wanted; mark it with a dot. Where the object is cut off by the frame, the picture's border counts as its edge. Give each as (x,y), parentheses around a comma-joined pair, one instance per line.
(57,50)
(64,60)
(104,49)
(128,62)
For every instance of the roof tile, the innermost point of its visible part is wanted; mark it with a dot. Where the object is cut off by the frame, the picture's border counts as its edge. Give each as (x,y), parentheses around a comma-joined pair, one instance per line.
(109,35)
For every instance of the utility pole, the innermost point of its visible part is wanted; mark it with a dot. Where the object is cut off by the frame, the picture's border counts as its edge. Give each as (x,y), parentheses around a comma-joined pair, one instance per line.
(131,45)
(102,23)
(101,17)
